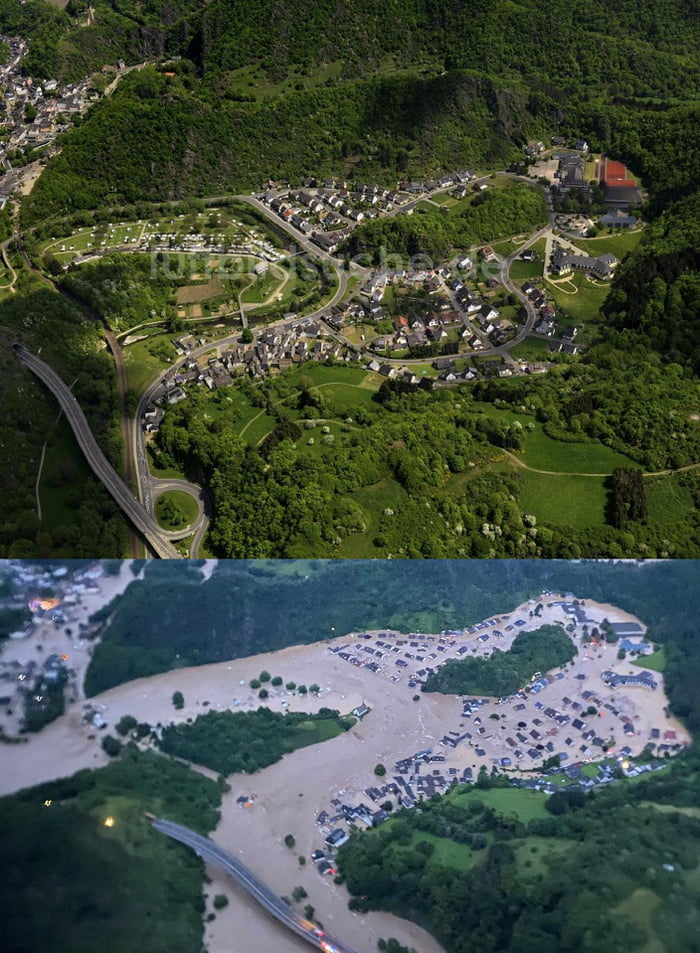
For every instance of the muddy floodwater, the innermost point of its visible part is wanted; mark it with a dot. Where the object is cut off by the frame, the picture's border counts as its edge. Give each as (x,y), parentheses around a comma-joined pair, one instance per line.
(288,797)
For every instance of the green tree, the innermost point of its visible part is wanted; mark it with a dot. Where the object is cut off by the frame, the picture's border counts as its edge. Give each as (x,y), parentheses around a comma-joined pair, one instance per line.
(178,700)
(111,745)
(126,724)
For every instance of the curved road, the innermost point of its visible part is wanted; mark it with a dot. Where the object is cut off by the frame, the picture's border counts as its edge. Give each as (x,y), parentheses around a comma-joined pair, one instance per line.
(101,467)
(200,524)
(213,854)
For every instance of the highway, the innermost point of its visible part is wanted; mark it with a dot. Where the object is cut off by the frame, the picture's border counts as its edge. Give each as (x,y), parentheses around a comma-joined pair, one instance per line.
(211,853)
(100,465)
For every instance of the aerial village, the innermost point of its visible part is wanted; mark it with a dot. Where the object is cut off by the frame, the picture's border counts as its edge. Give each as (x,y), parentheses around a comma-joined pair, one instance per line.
(32,115)
(599,719)
(445,314)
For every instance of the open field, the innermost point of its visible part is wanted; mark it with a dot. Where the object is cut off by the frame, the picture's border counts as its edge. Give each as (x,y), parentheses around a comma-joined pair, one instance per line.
(532,854)
(167,473)
(531,349)
(251,81)
(144,360)
(258,428)
(387,494)
(542,452)
(619,244)
(667,500)
(575,501)
(527,805)
(189,294)
(520,270)
(580,297)
(656,661)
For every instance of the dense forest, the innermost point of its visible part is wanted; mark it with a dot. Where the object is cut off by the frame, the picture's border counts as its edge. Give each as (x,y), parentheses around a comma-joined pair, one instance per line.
(68,877)
(493,215)
(647,52)
(614,870)
(503,673)
(247,741)
(163,137)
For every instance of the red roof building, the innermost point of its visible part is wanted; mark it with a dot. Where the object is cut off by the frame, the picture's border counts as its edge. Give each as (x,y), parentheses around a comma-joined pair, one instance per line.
(611,172)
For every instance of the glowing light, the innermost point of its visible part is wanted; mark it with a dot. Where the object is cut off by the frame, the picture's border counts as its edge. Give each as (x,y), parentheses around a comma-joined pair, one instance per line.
(48,803)
(109,822)
(64,657)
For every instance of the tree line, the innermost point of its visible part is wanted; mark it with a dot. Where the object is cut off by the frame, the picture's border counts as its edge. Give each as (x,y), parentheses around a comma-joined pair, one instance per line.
(504,673)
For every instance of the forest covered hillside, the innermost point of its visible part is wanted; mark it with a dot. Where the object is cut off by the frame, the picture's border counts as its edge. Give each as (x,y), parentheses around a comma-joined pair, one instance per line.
(627,48)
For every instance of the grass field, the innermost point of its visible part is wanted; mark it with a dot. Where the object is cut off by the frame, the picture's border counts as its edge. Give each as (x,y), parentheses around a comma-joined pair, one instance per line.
(507,246)
(447,853)
(656,661)
(258,428)
(373,500)
(520,270)
(545,453)
(575,501)
(531,349)
(527,805)
(264,286)
(668,501)
(583,303)
(252,81)
(144,360)
(312,732)
(542,452)
(618,244)
(186,505)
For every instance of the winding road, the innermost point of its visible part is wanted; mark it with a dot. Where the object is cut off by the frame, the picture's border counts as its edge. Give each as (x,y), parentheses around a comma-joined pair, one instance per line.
(100,465)
(213,854)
